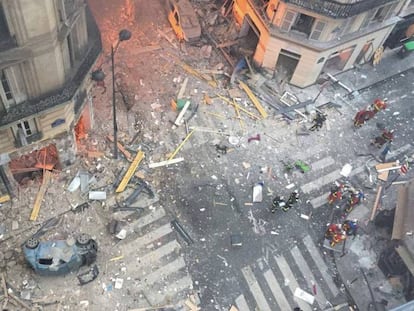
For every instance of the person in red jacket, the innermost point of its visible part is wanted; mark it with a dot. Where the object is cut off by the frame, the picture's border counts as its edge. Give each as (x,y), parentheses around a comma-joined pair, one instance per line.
(379,105)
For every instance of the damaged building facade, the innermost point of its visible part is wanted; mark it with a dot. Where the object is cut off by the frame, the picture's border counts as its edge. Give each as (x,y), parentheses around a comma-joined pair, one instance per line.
(47,51)
(300,40)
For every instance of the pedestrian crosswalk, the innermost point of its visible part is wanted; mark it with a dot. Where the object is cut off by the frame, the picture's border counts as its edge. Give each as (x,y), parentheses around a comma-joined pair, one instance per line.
(276,286)
(301,267)
(322,182)
(152,255)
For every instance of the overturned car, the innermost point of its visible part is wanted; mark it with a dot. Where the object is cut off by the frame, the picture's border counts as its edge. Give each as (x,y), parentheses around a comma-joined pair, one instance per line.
(59,257)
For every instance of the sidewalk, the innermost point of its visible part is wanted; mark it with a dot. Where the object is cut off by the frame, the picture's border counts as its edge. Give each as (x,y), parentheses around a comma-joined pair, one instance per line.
(357,79)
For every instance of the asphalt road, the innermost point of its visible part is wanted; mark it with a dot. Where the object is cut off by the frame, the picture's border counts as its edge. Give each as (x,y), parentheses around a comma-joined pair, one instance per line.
(212,190)
(210,193)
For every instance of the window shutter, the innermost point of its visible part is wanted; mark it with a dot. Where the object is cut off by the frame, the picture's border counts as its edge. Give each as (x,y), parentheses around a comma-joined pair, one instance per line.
(288,20)
(317,30)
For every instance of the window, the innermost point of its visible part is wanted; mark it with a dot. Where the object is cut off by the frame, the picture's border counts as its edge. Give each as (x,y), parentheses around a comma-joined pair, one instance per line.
(6,86)
(12,89)
(303,24)
(25,132)
(317,30)
(27,127)
(382,13)
(288,20)
(378,15)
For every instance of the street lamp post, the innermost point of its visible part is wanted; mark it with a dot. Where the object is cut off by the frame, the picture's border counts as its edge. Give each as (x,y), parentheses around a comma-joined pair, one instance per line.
(98,75)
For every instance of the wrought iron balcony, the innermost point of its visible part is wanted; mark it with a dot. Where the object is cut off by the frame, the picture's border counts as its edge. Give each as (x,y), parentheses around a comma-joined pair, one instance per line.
(336,9)
(67,92)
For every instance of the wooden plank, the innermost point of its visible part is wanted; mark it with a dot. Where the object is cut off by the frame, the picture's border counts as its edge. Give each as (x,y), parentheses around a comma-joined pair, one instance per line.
(191,305)
(164,163)
(253,116)
(377,198)
(385,166)
(5,198)
(383,176)
(181,145)
(47,175)
(145,49)
(182,89)
(163,34)
(121,148)
(179,119)
(254,99)
(95,154)
(130,172)
(400,217)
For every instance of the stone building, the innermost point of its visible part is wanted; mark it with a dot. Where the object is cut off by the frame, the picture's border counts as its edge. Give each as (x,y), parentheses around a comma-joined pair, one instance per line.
(47,51)
(302,39)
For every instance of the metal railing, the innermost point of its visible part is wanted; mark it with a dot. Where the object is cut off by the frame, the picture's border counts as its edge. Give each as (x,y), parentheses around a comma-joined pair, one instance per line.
(59,96)
(335,9)
(67,92)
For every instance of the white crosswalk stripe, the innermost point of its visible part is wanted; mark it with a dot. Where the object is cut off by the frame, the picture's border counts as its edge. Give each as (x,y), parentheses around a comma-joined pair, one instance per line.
(255,289)
(153,256)
(332,176)
(241,303)
(323,268)
(322,163)
(295,265)
(309,277)
(276,290)
(291,281)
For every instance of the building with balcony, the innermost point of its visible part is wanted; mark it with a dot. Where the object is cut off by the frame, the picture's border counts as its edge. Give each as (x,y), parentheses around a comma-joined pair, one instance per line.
(47,50)
(302,39)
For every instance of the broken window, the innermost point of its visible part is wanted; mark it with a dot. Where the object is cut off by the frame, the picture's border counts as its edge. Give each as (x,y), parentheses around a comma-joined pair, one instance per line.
(45,261)
(303,24)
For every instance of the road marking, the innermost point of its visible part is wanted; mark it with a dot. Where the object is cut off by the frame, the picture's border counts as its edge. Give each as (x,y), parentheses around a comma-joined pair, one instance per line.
(323,268)
(135,245)
(255,289)
(147,219)
(319,201)
(396,152)
(241,303)
(291,280)
(171,290)
(164,271)
(332,176)
(309,277)
(322,163)
(276,290)
(319,182)
(156,255)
